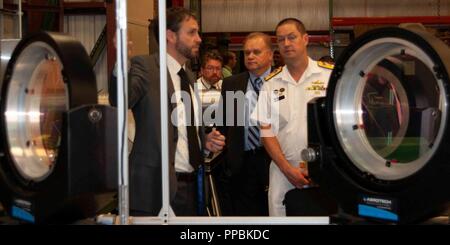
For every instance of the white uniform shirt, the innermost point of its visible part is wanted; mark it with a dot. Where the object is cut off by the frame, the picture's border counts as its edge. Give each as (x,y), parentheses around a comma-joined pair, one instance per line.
(182,151)
(283,104)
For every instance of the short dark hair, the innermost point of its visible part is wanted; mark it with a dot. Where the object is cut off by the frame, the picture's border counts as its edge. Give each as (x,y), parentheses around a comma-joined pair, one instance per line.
(300,26)
(211,55)
(174,17)
(227,57)
(177,15)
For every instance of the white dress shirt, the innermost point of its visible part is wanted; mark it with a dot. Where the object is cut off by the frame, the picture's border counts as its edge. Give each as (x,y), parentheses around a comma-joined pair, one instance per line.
(208,94)
(178,117)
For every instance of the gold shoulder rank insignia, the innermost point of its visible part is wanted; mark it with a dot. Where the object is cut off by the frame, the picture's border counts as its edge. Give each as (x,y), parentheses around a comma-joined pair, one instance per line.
(273,73)
(325,65)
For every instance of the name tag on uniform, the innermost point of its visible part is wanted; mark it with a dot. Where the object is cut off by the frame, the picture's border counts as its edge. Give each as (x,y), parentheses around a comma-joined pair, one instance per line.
(280,98)
(279,93)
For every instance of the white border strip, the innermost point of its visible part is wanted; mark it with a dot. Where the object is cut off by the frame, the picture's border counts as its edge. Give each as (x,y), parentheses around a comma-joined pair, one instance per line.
(233,220)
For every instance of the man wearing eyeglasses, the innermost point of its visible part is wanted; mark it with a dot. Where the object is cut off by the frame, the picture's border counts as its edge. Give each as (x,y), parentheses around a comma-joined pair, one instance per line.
(286,95)
(211,74)
(211,71)
(209,85)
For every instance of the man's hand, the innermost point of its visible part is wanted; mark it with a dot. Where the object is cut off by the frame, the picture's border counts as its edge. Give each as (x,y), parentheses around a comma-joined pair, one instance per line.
(296,176)
(215,141)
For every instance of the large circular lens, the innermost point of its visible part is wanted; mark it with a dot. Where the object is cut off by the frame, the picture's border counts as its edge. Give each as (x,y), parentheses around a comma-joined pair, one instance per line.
(36,100)
(388,114)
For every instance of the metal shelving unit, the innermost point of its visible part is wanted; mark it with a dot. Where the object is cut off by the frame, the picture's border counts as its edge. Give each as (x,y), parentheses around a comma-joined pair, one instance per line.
(15,14)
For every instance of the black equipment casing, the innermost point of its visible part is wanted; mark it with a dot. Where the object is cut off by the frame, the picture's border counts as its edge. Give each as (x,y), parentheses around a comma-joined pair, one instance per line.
(86,163)
(413,198)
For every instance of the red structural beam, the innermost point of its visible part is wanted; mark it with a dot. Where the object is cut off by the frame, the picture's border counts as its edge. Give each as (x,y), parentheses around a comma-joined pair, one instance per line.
(177,3)
(351,21)
(84,8)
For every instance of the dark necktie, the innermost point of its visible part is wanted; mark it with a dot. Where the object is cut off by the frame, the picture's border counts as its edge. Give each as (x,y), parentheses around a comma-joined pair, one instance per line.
(195,156)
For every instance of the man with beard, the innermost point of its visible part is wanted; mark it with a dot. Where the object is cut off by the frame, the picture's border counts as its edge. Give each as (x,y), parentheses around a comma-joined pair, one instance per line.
(210,81)
(211,71)
(209,85)
(185,139)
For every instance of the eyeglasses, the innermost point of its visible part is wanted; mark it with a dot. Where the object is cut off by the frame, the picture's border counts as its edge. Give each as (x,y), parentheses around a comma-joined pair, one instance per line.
(256,52)
(290,37)
(210,68)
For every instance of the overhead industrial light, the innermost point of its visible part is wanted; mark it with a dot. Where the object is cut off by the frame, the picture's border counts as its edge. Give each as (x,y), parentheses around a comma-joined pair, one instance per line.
(379,141)
(53,141)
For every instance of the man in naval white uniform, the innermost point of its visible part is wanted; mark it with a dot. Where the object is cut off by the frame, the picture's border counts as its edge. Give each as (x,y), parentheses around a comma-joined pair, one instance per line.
(282,111)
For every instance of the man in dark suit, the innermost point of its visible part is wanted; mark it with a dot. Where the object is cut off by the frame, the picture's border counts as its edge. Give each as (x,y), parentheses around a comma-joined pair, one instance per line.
(185,149)
(243,176)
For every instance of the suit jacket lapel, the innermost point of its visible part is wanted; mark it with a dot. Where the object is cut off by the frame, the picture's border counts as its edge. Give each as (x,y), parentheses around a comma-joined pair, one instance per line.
(242,86)
(173,133)
(170,89)
(244,82)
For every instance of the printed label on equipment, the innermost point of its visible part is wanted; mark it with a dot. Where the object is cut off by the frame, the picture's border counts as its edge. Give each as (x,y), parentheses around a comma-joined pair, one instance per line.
(378,207)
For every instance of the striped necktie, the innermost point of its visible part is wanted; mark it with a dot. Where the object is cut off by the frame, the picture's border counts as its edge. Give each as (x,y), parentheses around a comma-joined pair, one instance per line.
(253,131)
